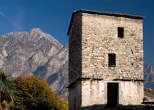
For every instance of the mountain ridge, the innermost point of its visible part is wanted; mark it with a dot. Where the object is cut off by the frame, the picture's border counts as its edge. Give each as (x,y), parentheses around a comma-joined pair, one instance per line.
(40,54)
(35,52)
(148,75)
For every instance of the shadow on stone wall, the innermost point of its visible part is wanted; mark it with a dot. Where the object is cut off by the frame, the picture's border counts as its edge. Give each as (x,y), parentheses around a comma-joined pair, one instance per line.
(120,107)
(75,62)
(75,49)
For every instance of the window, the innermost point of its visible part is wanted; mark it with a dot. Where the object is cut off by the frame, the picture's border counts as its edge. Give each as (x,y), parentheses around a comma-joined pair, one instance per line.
(112,60)
(120,32)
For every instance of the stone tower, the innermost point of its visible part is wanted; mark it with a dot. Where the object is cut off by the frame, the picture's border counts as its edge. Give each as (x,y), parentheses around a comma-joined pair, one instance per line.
(105,59)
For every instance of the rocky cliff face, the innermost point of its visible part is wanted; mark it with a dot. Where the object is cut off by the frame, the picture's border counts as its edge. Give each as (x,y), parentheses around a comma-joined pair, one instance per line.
(38,53)
(35,52)
(148,75)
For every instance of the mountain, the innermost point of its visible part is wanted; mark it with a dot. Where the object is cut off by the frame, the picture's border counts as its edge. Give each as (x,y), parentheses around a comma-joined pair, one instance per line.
(148,95)
(148,75)
(38,53)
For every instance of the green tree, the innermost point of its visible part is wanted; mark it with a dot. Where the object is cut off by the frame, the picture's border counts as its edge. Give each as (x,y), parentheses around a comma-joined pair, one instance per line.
(6,91)
(33,93)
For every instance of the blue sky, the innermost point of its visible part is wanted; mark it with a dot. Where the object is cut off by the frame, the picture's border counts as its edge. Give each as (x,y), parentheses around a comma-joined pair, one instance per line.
(53,16)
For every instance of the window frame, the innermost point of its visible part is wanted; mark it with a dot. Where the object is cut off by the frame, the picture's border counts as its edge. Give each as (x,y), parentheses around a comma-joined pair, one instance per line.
(111,60)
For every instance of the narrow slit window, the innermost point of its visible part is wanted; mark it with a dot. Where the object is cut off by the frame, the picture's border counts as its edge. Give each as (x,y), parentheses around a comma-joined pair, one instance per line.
(112,60)
(120,32)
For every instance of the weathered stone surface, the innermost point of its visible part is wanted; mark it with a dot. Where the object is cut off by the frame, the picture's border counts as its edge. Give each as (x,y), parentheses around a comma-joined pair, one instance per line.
(92,37)
(38,53)
(75,49)
(148,76)
(75,96)
(149,95)
(94,92)
(99,37)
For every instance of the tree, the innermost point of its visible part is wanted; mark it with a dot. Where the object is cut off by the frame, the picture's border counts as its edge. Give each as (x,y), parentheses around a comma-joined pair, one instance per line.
(6,91)
(33,93)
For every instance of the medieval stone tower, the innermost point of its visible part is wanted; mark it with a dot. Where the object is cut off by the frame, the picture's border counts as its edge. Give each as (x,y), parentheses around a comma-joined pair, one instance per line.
(105,59)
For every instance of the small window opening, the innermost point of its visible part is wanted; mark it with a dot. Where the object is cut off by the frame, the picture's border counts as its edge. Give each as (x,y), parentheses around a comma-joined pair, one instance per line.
(120,32)
(112,60)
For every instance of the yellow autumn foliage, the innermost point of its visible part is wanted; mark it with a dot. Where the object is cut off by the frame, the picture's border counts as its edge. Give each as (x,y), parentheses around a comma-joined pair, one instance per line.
(33,93)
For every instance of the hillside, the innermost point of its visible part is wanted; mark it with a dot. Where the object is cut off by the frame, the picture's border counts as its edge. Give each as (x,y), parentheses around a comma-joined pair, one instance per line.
(35,52)
(38,53)
(148,75)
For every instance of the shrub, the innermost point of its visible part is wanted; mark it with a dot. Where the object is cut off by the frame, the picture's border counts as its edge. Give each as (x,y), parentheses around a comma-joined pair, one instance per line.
(33,93)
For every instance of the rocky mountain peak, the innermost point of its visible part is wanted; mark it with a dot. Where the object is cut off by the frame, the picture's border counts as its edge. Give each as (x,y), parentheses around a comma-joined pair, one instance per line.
(40,54)
(36,30)
(37,53)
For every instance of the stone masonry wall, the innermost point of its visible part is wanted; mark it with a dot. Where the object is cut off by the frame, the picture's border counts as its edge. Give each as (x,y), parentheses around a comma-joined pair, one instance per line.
(94,92)
(91,38)
(131,92)
(75,96)
(99,38)
(75,49)
(75,63)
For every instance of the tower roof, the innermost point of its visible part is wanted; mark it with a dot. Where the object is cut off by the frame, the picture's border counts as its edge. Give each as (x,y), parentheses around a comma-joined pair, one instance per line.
(103,13)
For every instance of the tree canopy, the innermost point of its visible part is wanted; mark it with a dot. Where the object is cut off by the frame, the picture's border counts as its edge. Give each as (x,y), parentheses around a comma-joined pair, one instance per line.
(33,93)
(6,91)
